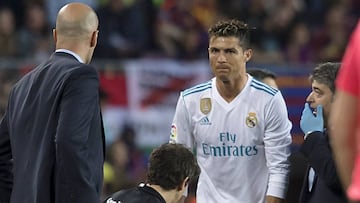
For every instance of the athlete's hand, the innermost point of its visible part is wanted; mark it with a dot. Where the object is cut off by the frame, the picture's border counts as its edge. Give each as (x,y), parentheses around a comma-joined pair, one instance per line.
(310,121)
(272,199)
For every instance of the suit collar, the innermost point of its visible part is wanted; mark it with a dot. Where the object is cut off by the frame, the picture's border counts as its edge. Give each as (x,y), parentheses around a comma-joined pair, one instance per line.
(71,53)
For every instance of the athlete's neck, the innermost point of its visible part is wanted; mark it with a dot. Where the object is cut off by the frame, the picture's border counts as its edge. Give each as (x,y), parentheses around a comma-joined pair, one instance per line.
(170,196)
(230,89)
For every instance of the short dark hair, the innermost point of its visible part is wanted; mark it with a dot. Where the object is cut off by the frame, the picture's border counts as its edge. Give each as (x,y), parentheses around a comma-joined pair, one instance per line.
(232,28)
(261,74)
(325,73)
(170,164)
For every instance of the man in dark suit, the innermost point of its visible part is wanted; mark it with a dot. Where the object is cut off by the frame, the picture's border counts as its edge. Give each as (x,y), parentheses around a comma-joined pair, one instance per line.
(51,136)
(321,183)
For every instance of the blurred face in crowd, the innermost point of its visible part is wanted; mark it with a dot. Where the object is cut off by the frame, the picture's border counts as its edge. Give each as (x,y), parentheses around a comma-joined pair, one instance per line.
(320,94)
(7,22)
(36,18)
(227,58)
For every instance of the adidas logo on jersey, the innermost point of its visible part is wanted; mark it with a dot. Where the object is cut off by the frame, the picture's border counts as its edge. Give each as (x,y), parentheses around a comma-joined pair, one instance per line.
(205,121)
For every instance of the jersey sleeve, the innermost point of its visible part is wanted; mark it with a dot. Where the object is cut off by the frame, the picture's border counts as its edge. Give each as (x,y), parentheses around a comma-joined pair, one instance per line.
(277,142)
(181,130)
(348,76)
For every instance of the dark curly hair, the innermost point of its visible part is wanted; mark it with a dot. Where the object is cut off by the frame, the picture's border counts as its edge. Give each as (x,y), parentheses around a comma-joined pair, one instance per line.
(170,164)
(232,28)
(325,73)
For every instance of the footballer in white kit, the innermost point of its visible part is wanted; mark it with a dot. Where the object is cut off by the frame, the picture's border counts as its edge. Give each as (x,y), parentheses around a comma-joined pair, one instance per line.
(242,147)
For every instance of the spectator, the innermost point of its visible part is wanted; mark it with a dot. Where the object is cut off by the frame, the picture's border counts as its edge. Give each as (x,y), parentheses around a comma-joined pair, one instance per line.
(298,48)
(34,37)
(179,33)
(330,39)
(127,161)
(265,76)
(52,7)
(123,31)
(116,161)
(7,33)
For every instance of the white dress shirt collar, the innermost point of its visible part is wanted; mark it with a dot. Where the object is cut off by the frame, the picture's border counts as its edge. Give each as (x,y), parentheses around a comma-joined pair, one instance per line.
(71,53)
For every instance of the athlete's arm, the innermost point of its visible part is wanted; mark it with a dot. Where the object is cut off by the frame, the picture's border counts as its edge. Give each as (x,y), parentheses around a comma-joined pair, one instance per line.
(271,199)
(181,131)
(277,140)
(343,134)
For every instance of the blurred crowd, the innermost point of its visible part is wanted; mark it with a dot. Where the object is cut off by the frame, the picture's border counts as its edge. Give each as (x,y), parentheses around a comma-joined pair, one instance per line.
(286,31)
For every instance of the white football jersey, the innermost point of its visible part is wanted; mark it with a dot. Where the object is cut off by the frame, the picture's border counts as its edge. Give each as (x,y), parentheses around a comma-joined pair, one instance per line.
(242,147)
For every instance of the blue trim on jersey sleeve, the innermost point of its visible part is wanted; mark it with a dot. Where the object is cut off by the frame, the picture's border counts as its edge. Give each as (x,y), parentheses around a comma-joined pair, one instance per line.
(197,88)
(261,86)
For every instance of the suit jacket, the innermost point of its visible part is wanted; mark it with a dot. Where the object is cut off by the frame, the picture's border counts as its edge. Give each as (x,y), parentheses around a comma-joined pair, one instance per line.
(51,136)
(326,186)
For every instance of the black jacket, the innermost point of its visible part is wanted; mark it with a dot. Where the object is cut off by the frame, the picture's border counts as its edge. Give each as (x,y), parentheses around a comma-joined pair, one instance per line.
(51,137)
(326,186)
(140,194)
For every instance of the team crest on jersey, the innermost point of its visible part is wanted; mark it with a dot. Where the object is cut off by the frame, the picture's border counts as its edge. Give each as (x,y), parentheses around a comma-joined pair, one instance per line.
(251,120)
(173,133)
(205,105)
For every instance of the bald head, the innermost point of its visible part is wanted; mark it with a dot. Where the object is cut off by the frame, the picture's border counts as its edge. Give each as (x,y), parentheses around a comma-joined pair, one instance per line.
(76,20)
(76,30)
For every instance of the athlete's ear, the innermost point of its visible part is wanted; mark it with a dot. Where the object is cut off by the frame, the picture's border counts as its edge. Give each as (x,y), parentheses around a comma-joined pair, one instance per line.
(94,38)
(54,35)
(248,54)
(184,184)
